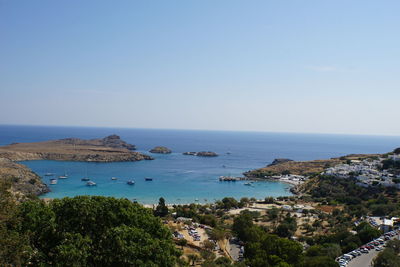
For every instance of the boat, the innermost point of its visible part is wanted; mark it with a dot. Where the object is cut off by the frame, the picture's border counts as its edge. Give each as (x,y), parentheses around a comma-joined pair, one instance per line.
(148,179)
(130,182)
(247,184)
(53,181)
(91,183)
(114,178)
(49,174)
(65,176)
(86,178)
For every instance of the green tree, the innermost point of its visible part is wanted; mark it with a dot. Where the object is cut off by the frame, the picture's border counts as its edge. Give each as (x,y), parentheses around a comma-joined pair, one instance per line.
(387,258)
(192,258)
(240,225)
(182,242)
(319,261)
(14,245)
(96,231)
(161,209)
(367,233)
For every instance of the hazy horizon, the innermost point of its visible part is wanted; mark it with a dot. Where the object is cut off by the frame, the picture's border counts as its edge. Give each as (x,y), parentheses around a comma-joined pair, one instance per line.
(265,66)
(188,129)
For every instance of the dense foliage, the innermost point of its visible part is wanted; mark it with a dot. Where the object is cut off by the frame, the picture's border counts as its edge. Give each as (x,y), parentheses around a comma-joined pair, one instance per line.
(389,257)
(263,249)
(83,231)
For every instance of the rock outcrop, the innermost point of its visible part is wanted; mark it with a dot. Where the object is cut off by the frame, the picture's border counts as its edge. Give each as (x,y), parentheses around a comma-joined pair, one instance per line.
(109,149)
(201,154)
(279,161)
(161,150)
(24,182)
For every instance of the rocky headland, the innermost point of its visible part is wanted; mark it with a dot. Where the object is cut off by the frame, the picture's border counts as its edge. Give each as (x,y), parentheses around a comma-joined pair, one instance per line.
(201,154)
(161,150)
(24,182)
(108,149)
(307,168)
(279,161)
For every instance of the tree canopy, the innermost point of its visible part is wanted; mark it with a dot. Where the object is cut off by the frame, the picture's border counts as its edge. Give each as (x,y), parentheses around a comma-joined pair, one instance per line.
(95,231)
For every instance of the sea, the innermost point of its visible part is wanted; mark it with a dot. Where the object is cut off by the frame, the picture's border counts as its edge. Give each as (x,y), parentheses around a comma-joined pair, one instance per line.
(181,179)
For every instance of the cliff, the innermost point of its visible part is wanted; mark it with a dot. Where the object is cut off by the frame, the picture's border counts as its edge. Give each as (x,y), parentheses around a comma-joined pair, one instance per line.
(23,181)
(108,149)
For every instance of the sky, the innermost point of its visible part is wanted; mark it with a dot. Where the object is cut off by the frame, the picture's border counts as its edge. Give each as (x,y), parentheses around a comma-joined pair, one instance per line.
(310,66)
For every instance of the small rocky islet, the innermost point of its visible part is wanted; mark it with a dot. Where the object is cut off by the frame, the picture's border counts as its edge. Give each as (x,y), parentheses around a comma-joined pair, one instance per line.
(161,150)
(201,154)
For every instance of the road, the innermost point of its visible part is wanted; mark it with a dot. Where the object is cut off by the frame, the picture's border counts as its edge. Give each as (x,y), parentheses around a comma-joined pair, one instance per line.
(233,249)
(365,260)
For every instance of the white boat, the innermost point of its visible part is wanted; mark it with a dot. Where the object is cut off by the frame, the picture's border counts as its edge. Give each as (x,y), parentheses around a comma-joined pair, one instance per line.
(114,178)
(49,174)
(247,183)
(91,183)
(63,177)
(130,182)
(53,181)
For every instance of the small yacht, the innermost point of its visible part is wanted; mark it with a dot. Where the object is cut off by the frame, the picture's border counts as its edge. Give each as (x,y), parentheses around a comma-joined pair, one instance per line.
(114,178)
(85,179)
(91,183)
(63,177)
(148,179)
(49,174)
(247,183)
(130,182)
(53,181)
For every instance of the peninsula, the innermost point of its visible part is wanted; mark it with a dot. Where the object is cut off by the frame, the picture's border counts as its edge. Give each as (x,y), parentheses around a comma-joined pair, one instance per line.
(108,149)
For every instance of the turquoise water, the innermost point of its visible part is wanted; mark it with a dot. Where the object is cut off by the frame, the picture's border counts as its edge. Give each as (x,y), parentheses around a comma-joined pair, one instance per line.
(179,183)
(183,179)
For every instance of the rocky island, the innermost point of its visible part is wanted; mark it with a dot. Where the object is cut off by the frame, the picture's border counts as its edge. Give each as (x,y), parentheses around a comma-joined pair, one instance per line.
(201,154)
(161,150)
(108,149)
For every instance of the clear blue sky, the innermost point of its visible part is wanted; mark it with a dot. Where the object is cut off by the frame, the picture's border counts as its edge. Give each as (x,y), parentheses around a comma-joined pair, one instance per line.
(320,66)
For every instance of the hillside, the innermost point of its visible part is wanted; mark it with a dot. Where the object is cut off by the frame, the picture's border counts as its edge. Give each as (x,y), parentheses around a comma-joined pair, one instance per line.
(303,167)
(23,181)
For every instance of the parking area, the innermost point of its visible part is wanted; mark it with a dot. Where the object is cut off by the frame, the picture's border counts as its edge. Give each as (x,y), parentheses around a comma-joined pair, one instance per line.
(363,256)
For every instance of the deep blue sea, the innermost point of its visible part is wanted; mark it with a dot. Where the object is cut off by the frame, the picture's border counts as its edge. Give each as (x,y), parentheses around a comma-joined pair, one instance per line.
(184,179)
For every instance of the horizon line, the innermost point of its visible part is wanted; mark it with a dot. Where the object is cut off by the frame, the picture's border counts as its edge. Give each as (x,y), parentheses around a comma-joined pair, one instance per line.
(205,130)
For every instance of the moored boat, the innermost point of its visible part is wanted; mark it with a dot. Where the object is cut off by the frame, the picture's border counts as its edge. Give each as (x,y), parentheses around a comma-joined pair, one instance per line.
(114,178)
(130,182)
(85,179)
(91,183)
(53,181)
(148,179)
